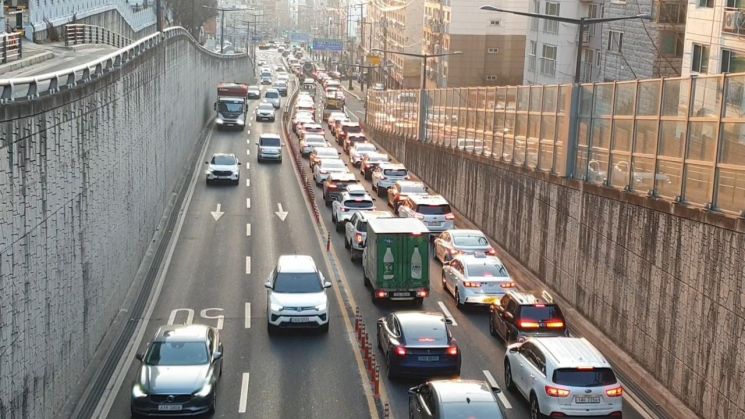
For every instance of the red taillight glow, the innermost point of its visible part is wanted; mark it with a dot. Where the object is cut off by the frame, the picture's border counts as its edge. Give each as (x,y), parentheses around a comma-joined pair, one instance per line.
(469,284)
(324,172)
(358,237)
(526,324)
(449,217)
(507,285)
(614,392)
(400,351)
(556,392)
(380,294)
(453,350)
(422,293)
(331,186)
(491,251)
(554,324)
(383,178)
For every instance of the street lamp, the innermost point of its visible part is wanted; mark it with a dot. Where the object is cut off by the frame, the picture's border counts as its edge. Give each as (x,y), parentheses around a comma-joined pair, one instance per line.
(582,22)
(222,11)
(424,58)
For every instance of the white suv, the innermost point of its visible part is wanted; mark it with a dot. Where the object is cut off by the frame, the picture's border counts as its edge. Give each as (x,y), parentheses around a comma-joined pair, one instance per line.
(355,232)
(386,175)
(562,376)
(296,294)
(223,167)
(355,199)
(433,210)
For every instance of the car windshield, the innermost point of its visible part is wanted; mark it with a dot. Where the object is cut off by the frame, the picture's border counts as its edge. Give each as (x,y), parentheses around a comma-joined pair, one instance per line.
(470,240)
(271,95)
(362,226)
(431,332)
(230,107)
(471,410)
(433,209)
(315,140)
(377,159)
(177,353)
(354,203)
(353,128)
(395,172)
(266,107)
(269,141)
(223,160)
(540,312)
(413,189)
(365,147)
(493,269)
(297,282)
(333,164)
(590,377)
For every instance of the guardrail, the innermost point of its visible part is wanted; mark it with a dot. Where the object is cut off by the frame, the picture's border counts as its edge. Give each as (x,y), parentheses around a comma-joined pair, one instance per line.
(81,34)
(11,47)
(30,88)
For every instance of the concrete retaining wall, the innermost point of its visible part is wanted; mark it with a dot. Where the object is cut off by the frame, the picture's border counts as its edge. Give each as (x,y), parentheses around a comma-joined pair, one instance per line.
(85,176)
(665,283)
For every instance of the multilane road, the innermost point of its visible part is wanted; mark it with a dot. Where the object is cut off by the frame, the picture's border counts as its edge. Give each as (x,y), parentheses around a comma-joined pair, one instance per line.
(216,276)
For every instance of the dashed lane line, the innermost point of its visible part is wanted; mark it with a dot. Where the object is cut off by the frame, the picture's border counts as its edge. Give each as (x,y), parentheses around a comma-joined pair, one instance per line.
(493,383)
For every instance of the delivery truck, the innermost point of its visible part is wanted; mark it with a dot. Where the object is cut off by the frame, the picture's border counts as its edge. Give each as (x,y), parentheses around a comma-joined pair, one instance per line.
(395,261)
(231,106)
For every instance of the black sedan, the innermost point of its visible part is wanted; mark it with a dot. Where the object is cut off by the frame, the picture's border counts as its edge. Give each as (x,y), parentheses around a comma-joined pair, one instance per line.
(418,344)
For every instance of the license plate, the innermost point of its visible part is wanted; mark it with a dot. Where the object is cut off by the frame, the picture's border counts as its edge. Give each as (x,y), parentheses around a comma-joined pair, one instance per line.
(401,294)
(490,300)
(586,399)
(433,223)
(428,358)
(299,319)
(169,407)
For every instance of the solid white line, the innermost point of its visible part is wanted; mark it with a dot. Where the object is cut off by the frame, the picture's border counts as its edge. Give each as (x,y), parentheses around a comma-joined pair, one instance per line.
(248,316)
(244,394)
(248,202)
(446,312)
(248,265)
(248,229)
(493,383)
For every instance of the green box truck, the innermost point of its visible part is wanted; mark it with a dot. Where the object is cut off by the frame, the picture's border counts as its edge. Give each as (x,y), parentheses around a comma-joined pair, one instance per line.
(395,261)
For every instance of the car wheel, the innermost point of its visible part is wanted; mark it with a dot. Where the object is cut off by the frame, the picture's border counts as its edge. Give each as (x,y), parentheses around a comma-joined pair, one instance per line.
(381,191)
(391,374)
(508,377)
(213,406)
(325,328)
(333,217)
(458,303)
(419,301)
(347,245)
(367,282)
(270,328)
(339,227)
(208,182)
(492,330)
(444,285)
(328,203)
(372,186)
(535,409)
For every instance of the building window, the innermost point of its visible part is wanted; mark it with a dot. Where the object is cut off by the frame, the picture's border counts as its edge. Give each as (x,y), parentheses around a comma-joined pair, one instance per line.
(534,20)
(491,78)
(674,13)
(551,26)
(732,62)
(494,22)
(596,11)
(705,3)
(492,50)
(671,45)
(548,60)
(615,41)
(532,49)
(700,62)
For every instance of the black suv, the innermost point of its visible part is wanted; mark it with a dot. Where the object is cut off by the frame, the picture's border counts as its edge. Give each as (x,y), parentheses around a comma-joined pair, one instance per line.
(526,313)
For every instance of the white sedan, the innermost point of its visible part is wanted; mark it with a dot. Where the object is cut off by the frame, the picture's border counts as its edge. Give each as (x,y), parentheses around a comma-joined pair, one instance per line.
(455,242)
(359,151)
(310,141)
(324,167)
(476,279)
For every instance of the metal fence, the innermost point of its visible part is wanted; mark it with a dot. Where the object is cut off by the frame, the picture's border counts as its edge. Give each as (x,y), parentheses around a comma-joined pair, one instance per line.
(81,34)
(679,139)
(11,47)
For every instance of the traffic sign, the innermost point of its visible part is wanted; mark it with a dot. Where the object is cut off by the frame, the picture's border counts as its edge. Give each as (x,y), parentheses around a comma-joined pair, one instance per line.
(373,59)
(299,37)
(321,44)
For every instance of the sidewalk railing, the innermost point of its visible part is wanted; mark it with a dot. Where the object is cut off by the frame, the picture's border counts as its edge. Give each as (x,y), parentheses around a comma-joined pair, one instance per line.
(11,47)
(677,139)
(81,34)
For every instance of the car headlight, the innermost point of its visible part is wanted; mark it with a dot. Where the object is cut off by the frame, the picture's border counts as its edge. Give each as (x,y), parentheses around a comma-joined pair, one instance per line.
(321,307)
(138,392)
(276,307)
(204,391)
(218,120)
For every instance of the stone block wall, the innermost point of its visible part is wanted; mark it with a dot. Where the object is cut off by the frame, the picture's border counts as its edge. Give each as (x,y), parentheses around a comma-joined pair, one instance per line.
(85,176)
(665,283)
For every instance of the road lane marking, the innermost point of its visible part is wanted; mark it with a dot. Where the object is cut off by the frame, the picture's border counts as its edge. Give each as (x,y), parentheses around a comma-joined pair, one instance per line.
(248,165)
(219,317)
(248,229)
(248,265)
(500,394)
(174,313)
(244,394)
(248,202)
(248,316)
(446,312)
(248,182)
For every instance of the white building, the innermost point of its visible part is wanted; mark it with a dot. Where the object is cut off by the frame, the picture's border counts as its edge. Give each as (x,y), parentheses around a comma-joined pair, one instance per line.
(714,40)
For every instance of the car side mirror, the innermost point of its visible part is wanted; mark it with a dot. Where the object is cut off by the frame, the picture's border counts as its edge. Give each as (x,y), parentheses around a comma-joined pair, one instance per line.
(214,106)
(239,163)
(139,356)
(268,284)
(206,162)
(507,314)
(217,355)
(513,349)
(448,320)
(327,284)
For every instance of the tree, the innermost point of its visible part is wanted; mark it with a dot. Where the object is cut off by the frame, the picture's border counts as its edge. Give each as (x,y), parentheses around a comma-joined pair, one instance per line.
(191,14)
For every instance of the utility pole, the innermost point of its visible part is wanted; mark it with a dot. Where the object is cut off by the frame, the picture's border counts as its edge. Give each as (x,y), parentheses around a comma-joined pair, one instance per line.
(222,11)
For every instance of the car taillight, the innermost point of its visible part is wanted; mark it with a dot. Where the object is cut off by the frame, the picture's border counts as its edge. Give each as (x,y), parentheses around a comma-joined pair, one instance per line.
(331,186)
(344,209)
(491,251)
(380,294)
(614,392)
(554,324)
(324,172)
(507,285)
(407,177)
(528,324)
(556,391)
(400,351)
(452,350)
(383,178)
(358,237)
(422,293)
(449,217)
(469,284)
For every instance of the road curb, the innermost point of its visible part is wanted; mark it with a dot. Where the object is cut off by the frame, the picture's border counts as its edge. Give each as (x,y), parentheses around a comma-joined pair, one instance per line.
(26,62)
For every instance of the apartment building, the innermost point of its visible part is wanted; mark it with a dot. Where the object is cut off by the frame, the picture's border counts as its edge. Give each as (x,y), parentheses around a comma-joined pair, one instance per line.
(621,50)
(493,44)
(714,40)
(398,26)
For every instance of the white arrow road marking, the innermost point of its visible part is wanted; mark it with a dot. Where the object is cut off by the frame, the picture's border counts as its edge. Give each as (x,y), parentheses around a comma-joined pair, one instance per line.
(217,213)
(248,316)
(282,214)
(446,312)
(244,394)
(500,394)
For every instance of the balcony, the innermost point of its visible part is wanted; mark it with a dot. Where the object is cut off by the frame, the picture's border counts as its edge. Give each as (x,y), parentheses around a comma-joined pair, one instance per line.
(734,21)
